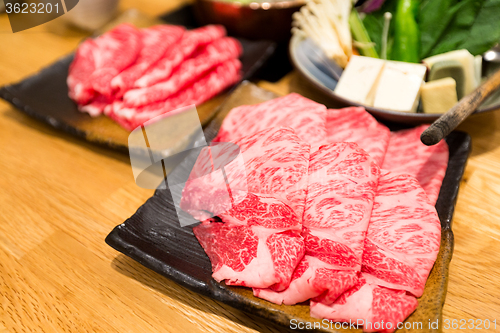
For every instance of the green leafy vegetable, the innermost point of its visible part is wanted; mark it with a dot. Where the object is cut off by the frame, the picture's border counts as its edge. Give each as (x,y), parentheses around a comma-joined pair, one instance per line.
(435,15)
(485,32)
(445,25)
(458,30)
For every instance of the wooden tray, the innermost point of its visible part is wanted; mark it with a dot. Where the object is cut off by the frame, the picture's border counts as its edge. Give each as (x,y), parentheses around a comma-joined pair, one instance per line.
(154,238)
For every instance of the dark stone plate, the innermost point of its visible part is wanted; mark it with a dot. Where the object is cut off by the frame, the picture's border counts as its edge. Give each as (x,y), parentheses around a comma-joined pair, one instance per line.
(154,238)
(44,96)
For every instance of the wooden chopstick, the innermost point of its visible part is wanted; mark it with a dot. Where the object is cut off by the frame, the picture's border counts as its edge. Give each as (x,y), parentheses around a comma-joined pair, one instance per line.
(442,126)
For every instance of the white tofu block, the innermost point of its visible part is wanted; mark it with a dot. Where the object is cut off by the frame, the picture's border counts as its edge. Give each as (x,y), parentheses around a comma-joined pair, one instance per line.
(439,96)
(359,79)
(399,86)
(467,61)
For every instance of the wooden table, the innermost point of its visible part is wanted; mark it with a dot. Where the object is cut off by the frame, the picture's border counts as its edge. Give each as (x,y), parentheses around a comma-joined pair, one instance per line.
(60,197)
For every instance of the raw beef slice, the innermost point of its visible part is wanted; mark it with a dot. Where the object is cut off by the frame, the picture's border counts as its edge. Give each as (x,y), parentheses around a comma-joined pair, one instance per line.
(80,70)
(401,247)
(155,42)
(214,82)
(407,154)
(354,124)
(404,235)
(307,118)
(189,71)
(97,106)
(175,55)
(275,163)
(377,309)
(98,61)
(261,250)
(258,243)
(341,188)
(216,182)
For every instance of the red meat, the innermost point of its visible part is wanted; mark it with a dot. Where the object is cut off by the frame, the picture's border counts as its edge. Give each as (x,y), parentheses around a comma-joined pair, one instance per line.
(275,163)
(378,309)
(400,249)
(354,124)
(155,42)
(305,117)
(341,187)
(262,251)
(82,67)
(404,235)
(98,61)
(189,71)
(407,154)
(258,244)
(179,52)
(214,82)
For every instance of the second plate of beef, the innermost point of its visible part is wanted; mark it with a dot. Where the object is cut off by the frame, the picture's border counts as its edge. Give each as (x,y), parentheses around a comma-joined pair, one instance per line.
(44,96)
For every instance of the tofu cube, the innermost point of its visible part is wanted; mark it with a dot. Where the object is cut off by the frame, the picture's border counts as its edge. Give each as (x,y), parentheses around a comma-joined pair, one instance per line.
(399,86)
(439,96)
(359,79)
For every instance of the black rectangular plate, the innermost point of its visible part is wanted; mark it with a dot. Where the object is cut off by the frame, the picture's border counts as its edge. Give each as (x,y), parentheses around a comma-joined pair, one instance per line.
(154,237)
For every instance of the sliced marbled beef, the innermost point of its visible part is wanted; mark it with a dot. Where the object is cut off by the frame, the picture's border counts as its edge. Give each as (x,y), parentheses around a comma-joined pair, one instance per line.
(400,249)
(376,308)
(175,55)
(213,54)
(258,243)
(99,60)
(355,124)
(82,67)
(307,118)
(275,163)
(404,234)
(214,82)
(155,42)
(97,106)
(406,153)
(341,187)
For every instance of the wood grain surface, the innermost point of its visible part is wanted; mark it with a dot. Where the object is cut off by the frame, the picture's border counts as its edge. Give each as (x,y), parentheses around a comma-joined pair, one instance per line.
(60,197)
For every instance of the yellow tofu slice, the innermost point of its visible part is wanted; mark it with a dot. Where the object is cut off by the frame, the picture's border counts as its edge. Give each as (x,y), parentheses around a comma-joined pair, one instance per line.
(439,96)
